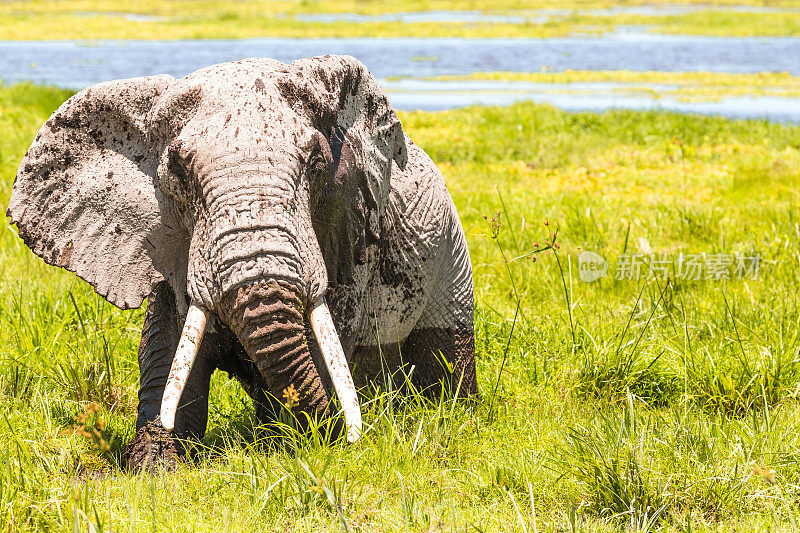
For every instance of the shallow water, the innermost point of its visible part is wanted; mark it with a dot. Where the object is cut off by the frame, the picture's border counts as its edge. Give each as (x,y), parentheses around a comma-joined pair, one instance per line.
(79,64)
(431,95)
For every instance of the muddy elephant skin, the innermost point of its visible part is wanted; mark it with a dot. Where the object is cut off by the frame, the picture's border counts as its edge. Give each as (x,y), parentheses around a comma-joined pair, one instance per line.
(253,191)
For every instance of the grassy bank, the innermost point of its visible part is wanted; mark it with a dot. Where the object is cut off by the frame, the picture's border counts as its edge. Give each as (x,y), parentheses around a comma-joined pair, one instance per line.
(199,19)
(651,402)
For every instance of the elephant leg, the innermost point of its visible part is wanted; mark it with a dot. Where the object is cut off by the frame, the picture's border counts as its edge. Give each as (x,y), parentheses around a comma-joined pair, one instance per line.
(442,358)
(377,366)
(441,347)
(153,445)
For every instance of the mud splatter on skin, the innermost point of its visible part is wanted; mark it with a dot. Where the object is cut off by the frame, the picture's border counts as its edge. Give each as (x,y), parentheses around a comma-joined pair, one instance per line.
(153,448)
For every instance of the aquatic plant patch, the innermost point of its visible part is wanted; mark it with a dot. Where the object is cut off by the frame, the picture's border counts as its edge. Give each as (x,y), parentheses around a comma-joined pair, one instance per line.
(193,19)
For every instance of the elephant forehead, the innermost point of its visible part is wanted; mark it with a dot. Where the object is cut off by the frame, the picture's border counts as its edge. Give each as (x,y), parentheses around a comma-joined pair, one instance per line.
(234,113)
(238,115)
(242,89)
(238,71)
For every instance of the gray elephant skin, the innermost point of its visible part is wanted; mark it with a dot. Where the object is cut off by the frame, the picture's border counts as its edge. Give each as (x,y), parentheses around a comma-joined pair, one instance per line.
(251,191)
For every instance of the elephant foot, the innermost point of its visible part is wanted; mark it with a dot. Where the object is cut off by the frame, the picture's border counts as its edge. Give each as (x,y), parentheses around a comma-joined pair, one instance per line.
(153,449)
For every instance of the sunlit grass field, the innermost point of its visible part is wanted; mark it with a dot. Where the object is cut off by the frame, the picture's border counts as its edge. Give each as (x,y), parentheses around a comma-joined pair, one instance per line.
(203,19)
(666,404)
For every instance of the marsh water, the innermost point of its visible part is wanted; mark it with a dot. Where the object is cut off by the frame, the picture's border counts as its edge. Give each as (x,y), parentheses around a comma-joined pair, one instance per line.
(434,95)
(76,64)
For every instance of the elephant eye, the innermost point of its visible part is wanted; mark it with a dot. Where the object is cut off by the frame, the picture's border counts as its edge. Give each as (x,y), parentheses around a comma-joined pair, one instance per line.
(317,163)
(319,169)
(176,164)
(173,174)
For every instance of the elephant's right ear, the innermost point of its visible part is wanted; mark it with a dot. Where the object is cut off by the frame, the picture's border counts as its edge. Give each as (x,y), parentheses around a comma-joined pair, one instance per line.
(85,197)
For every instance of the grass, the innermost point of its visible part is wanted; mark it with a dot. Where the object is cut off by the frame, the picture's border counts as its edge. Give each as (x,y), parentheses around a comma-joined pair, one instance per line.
(201,19)
(653,404)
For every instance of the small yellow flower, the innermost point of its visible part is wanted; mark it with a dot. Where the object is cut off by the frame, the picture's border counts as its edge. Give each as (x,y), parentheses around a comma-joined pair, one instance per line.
(767,473)
(290,396)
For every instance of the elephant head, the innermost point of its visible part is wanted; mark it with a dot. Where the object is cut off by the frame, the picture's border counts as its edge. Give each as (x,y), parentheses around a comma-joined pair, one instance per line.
(228,184)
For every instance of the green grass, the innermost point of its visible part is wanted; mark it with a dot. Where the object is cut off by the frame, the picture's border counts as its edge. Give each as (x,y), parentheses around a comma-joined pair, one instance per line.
(605,405)
(202,19)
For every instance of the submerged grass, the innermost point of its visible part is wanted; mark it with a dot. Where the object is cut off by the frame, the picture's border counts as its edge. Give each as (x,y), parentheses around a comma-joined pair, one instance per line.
(652,404)
(200,19)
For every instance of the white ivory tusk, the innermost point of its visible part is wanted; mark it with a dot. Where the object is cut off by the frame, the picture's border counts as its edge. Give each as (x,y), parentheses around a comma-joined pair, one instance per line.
(333,354)
(185,355)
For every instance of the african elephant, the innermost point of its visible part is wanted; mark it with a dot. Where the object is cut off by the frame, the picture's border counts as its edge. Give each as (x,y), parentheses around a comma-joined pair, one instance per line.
(279,212)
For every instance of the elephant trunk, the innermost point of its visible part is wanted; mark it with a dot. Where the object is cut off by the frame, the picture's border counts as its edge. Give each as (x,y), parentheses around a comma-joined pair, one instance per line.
(268,321)
(267,318)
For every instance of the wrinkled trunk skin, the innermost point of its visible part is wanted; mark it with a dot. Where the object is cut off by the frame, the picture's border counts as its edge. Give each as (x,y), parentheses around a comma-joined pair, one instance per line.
(268,320)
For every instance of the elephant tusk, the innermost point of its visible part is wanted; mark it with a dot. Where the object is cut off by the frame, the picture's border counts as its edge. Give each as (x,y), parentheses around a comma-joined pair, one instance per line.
(333,354)
(185,355)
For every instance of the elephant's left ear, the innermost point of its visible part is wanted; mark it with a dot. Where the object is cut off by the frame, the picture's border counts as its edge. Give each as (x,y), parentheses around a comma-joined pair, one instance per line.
(349,106)
(85,197)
